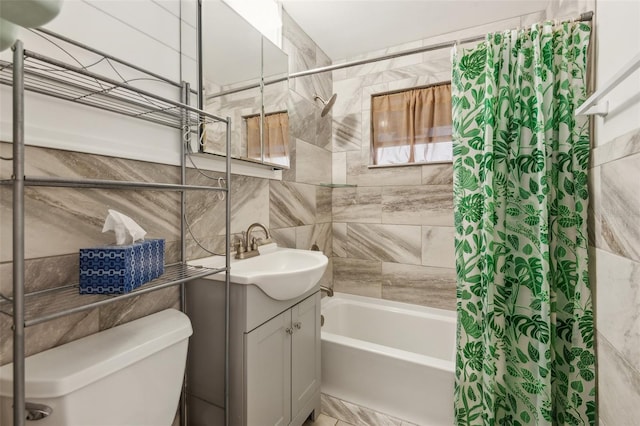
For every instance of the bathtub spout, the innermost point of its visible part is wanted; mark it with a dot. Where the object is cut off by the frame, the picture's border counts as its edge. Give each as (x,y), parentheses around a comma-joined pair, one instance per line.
(327,290)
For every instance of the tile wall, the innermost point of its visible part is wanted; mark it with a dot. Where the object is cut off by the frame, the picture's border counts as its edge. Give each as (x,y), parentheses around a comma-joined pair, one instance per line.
(60,221)
(387,231)
(615,273)
(393,232)
(392,227)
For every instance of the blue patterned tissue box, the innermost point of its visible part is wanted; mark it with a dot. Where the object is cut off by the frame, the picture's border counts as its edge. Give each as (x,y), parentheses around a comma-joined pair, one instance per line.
(120,269)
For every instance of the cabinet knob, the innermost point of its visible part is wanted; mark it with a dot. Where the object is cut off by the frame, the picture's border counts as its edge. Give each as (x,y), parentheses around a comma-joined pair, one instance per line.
(289,330)
(298,325)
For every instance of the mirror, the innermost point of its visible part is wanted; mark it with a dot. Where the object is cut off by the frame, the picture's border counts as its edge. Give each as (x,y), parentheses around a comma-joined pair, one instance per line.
(275,134)
(236,60)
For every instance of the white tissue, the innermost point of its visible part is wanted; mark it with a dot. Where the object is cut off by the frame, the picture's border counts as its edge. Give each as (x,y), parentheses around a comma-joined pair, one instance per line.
(126,229)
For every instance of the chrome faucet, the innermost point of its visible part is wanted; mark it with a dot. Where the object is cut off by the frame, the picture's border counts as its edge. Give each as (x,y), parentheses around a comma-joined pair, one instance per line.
(248,246)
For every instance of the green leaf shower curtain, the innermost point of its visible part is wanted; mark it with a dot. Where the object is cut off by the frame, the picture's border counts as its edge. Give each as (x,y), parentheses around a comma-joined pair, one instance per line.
(525,352)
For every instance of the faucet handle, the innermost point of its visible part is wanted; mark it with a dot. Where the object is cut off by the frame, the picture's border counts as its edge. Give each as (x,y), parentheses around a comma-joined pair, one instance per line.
(255,243)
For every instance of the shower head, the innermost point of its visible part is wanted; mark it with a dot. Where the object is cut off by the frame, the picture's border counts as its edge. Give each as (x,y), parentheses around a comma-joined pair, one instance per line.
(327,104)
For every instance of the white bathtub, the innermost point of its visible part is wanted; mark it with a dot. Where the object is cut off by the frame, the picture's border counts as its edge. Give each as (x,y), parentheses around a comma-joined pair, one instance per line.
(395,358)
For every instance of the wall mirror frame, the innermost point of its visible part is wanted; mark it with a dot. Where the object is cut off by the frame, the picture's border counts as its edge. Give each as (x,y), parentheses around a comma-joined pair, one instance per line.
(242,74)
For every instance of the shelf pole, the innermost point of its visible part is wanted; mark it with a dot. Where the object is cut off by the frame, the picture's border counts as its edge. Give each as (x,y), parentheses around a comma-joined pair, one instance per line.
(184,140)
(227,278)
(18,236)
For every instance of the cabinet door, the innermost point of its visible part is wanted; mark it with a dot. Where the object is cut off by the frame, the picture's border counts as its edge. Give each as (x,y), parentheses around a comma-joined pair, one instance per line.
(268,372)
(305,352)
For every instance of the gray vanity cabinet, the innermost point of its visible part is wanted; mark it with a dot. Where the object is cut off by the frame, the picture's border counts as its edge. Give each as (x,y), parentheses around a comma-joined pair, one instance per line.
(283,366)
(274,364)
(305,356)
(268,371)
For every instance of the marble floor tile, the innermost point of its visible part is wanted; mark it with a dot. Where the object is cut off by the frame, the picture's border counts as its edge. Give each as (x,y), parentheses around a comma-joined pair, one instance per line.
(322,420)
(353,414)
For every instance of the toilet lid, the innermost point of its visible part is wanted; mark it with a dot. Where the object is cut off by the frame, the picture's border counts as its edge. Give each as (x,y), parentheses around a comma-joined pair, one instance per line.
(61,370)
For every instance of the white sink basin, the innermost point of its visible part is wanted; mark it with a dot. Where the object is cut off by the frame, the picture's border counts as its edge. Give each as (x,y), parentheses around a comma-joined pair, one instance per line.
(281,273)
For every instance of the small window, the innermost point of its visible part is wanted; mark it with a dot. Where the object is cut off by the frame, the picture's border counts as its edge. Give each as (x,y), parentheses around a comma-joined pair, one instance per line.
(275,138)
(412,126)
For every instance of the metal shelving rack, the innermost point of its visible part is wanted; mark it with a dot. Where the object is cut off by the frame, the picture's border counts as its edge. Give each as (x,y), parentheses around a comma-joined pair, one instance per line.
(37,73)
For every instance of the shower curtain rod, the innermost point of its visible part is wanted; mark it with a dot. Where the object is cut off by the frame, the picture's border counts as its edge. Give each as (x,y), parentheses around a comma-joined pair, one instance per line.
(585,16)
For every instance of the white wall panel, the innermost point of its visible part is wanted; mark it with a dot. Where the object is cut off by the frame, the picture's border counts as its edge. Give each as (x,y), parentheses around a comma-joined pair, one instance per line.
(189,12)
(145,33)
(172,6)
(146,17)
(618,40)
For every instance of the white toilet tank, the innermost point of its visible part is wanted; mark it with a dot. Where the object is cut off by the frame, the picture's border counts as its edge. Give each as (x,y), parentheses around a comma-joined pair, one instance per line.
(130,375)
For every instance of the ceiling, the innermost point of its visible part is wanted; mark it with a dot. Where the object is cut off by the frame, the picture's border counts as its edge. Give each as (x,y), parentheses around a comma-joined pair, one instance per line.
(347,28)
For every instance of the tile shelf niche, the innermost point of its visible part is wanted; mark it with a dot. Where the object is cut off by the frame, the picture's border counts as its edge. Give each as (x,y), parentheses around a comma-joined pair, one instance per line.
(45,305)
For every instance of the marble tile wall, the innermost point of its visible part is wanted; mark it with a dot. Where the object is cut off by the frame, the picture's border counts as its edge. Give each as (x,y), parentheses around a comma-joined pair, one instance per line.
(393,227)
(300,205)
(615,273)
(60,221)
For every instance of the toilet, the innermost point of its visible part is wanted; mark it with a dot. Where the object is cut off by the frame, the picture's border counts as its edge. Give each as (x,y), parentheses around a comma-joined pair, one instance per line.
(127,375)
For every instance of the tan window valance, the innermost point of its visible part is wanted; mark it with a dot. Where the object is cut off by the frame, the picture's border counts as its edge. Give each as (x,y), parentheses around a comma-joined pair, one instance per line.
(276,138)
(412,126)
